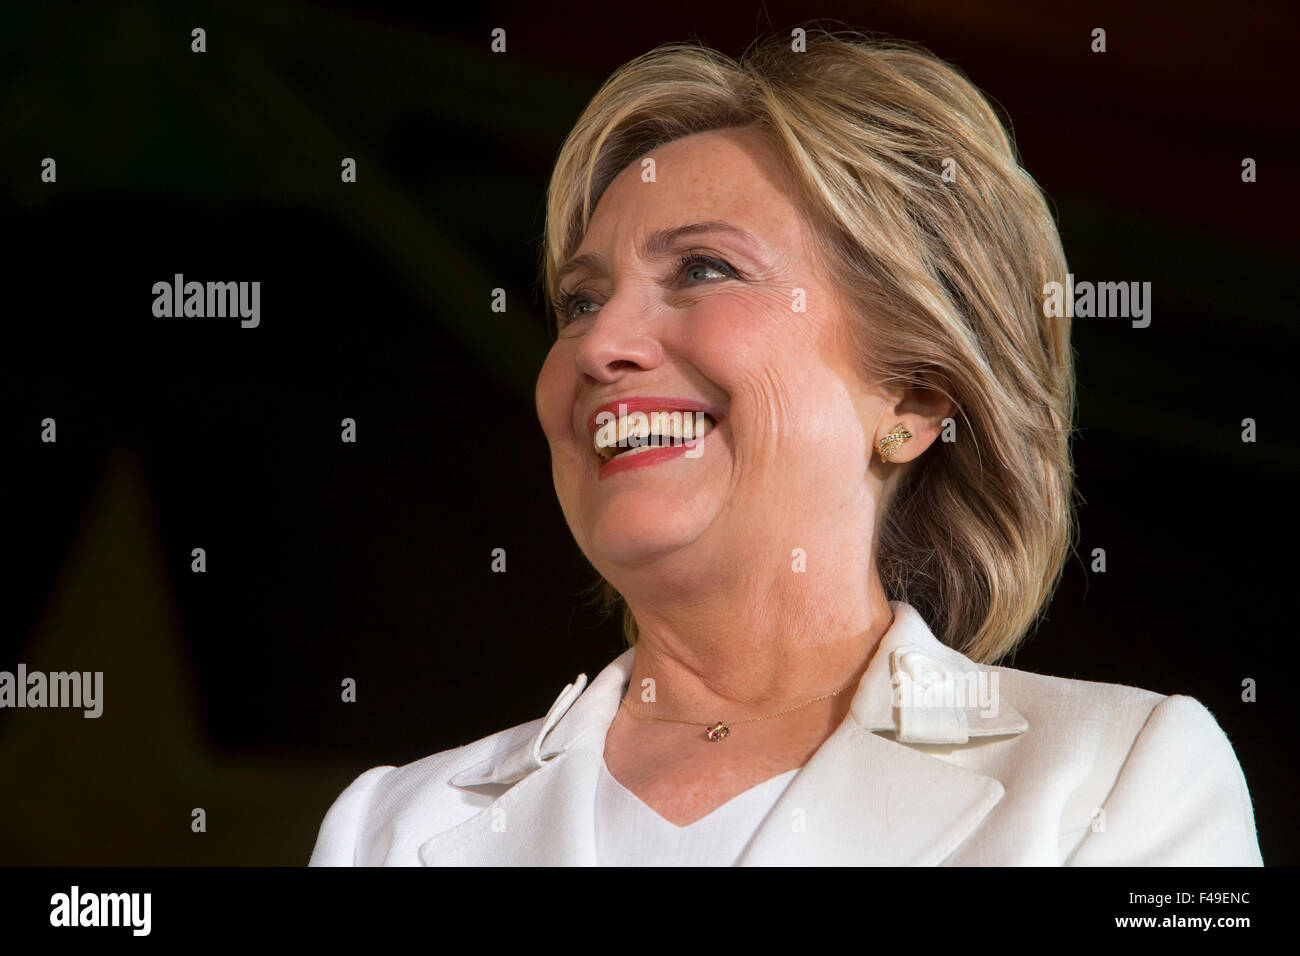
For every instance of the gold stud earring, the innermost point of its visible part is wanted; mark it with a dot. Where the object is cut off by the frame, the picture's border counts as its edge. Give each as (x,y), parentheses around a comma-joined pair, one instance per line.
(892,442)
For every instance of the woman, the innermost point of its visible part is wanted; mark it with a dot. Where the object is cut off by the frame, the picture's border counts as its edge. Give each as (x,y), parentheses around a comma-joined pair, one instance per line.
(810,422)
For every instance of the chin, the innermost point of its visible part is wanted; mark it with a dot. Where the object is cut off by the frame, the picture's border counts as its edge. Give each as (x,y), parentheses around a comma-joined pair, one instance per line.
(635,529)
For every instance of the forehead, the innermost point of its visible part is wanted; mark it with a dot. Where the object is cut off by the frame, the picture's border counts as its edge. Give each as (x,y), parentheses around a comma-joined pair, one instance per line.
(729,175)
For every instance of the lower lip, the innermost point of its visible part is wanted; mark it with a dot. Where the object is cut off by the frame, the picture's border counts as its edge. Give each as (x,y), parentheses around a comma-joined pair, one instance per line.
(644,459)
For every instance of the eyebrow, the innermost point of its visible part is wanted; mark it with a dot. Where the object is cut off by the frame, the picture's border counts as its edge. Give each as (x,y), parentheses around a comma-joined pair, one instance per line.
(658,244)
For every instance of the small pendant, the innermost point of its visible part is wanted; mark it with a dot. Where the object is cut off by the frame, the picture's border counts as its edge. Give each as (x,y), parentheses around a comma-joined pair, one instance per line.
(717,731)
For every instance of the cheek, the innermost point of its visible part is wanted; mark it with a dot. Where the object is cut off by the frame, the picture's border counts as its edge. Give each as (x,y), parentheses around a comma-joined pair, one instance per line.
(554,394)
(771,361)
(733,341)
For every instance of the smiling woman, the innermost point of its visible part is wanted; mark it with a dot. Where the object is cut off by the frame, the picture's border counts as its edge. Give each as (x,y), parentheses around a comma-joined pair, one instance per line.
(815,586)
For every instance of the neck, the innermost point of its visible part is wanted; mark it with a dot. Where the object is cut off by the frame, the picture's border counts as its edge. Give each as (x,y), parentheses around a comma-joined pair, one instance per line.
(744,652)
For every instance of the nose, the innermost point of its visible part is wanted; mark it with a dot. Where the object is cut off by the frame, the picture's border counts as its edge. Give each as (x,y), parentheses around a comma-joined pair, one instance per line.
(622,339)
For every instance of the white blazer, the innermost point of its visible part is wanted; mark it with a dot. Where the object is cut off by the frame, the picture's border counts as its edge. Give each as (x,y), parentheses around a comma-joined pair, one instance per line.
(1042,771)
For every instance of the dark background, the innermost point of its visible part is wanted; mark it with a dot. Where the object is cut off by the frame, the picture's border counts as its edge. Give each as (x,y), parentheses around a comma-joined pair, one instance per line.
(328,560)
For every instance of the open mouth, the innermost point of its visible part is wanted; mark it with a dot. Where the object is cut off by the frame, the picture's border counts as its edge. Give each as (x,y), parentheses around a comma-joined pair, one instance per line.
(640,432)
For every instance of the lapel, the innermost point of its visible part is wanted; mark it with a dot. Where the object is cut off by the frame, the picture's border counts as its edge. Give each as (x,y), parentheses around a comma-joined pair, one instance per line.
(866,797)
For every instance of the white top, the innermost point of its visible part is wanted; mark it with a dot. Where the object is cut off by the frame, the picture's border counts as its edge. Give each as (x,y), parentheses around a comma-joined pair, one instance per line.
(629,833)
(995,791)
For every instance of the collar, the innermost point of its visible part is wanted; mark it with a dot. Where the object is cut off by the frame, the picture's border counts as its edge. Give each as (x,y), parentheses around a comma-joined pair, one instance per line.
(915,689)
(915,686)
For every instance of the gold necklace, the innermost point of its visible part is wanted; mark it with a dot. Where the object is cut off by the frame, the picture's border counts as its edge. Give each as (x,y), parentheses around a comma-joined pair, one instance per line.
(720,730)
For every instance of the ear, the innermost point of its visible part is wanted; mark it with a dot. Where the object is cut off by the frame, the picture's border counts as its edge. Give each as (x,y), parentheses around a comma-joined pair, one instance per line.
(921,410)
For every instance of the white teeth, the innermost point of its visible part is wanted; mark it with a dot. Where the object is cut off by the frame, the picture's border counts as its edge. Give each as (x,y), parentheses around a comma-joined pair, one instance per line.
(606,435)
(638,424)
(635,451)
(642,431)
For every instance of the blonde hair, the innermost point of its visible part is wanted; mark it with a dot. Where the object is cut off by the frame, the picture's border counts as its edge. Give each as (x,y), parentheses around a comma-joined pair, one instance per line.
(945,272)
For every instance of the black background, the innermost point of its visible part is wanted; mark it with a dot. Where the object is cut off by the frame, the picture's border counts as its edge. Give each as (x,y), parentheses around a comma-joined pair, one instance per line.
(372,560)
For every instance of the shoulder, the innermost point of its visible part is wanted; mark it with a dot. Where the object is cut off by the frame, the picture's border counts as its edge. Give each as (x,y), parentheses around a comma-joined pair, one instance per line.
(381,816)
(1108,719)
(1057,706)
(1147,779)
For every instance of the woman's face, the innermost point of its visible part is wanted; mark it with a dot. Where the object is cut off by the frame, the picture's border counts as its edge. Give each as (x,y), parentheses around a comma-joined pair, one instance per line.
(705,319)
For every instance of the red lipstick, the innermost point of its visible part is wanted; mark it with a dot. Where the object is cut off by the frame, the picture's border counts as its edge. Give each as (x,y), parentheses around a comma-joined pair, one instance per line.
(619,408)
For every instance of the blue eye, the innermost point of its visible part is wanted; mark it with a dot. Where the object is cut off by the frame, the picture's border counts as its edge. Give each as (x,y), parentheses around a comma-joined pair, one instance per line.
(693,261)
(564,303)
